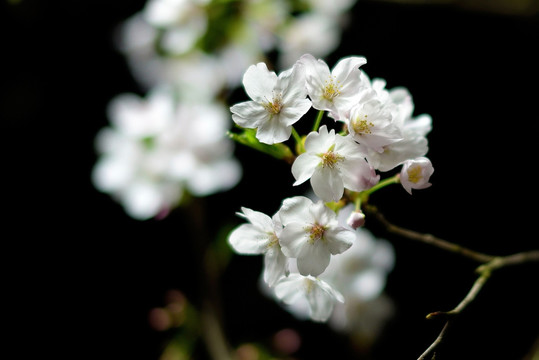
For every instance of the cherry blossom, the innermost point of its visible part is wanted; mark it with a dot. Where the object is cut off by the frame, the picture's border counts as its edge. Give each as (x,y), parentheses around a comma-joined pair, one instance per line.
(332,162)
(277,102)
(261,236)
(336,90)
(415,174)
(319,296)
(311,234)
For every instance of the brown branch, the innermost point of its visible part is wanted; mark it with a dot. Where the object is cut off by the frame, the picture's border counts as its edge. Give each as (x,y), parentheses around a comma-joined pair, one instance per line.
(428,238)
(435,343)
(489,263)
(484,271)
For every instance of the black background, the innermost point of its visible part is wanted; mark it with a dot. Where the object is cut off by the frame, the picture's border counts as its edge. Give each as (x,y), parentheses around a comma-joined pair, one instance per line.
(75,262)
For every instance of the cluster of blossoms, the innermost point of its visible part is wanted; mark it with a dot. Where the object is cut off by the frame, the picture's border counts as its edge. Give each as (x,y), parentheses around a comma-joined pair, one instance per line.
(155,149)
(376,133)
(197,50)
(204,46)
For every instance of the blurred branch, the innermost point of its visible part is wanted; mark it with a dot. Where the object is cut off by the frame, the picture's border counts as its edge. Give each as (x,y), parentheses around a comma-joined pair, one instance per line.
(489,264)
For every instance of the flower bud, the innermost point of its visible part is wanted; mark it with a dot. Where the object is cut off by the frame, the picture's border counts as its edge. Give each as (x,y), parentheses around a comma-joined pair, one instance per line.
(356,219)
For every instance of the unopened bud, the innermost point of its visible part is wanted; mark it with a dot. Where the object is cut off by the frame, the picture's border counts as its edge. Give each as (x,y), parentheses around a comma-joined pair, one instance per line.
(356,219)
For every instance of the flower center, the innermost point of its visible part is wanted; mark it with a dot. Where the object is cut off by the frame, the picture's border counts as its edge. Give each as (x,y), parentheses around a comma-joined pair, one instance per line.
(414,174)
(316,232)
(273,240)
(361,125)
(332,89)
(330,159)
(275,105)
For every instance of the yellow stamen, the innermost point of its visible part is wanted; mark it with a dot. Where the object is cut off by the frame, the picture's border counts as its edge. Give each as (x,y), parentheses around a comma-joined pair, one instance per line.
(331,89)
(275,105)
(316,232)
(361,125)
(414,174)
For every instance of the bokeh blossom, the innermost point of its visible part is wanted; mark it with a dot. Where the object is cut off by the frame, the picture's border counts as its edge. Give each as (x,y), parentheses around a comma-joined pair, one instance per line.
(156,149)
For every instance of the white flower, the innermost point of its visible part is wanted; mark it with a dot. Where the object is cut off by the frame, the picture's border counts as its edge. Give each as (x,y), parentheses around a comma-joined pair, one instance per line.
(334,91)
(319,296)
(311,234)
(370,123)
(415,174)
(155,149)
(277,102)
(311,32)
(261,236)
(413,131)
(332,162)
(183,22)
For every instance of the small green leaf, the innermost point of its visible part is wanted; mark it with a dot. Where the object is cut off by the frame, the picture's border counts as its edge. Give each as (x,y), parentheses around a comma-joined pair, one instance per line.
(248,138)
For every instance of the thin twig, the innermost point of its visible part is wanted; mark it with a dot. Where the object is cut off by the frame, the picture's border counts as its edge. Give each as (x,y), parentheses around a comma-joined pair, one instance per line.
(429,239)
(435,343)
(489,263)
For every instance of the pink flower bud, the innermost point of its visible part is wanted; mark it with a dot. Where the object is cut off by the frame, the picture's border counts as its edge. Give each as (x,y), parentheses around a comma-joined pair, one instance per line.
(356,219)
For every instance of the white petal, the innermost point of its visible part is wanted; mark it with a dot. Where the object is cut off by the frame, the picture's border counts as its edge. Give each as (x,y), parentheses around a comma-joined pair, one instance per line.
(292,84)
(249,114)
(289,289)
(313,258)
(293,239)
(275,265)
(321,213)
(248,239)
(293,111)
(295,209)
(304,166)
(259,82)
(327,184)
(321,302)
(316,73)
(339,239)
(348,67)
(321,141)
(260,220)
(273,131)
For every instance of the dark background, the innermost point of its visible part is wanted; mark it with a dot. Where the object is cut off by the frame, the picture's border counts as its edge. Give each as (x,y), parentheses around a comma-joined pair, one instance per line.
(75,262)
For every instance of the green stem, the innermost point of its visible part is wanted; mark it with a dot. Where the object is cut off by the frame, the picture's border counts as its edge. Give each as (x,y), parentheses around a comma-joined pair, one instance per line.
(299,142)
(392,180)
(318,120)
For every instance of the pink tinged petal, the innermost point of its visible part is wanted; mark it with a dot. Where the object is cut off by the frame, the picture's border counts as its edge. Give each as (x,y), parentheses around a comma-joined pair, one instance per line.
(327,184)
(288,289)
(293,111)
(347,147)
(275,265)
(248,239)
(313,258)
(260,220)
(259,82)
(304,167)
(295,209)
(249,114)
(339,239)
(357,174)
(293,239)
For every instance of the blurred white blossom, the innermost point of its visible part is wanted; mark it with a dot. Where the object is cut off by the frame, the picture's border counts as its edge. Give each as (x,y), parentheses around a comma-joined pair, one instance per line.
(156,148)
